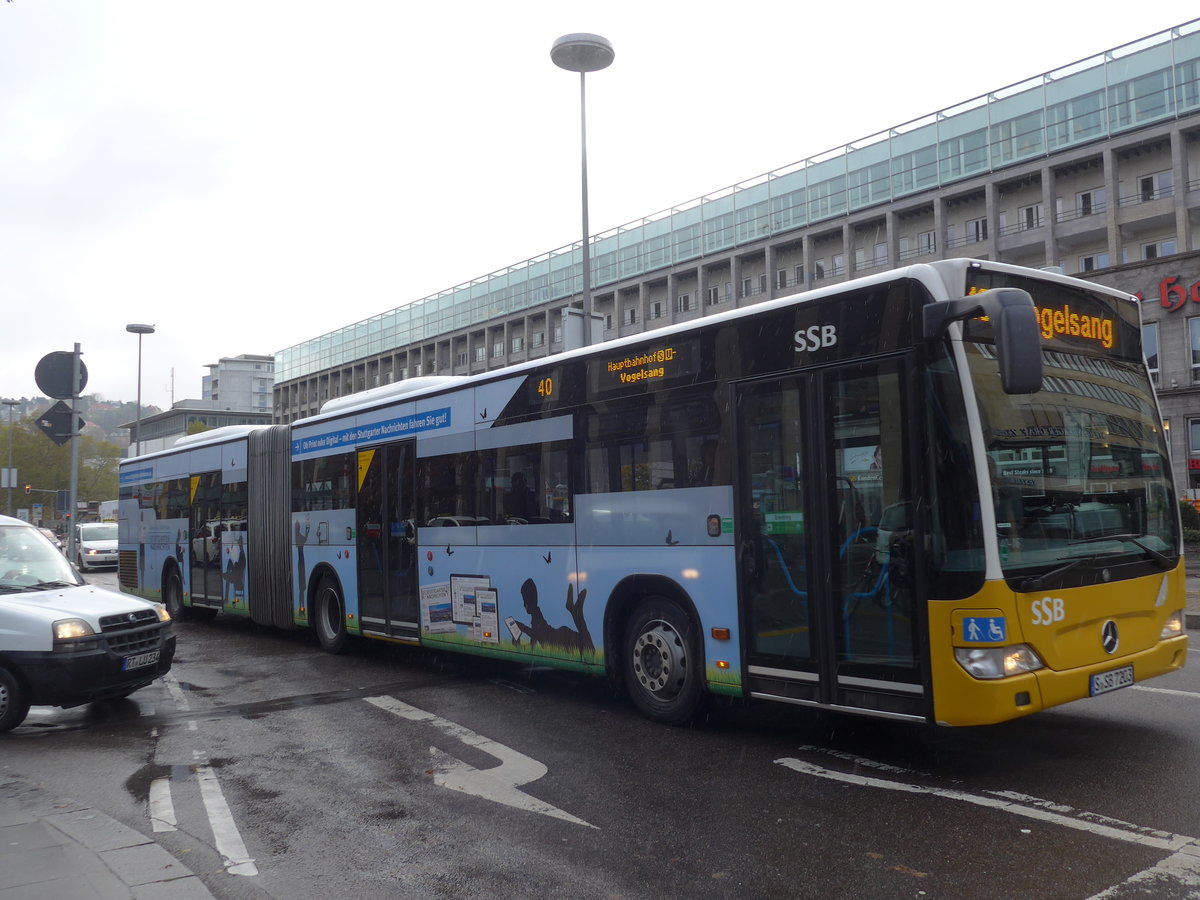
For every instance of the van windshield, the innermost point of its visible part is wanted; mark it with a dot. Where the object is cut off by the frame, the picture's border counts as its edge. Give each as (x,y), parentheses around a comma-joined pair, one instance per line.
(106,531)
(28,561)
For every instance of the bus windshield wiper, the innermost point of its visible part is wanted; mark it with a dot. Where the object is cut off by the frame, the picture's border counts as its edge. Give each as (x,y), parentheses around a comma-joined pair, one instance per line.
(1134,539)
(1036,582)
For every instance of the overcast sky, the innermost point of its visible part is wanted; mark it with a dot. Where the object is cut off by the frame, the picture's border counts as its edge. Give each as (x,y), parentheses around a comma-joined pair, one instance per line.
(247,174)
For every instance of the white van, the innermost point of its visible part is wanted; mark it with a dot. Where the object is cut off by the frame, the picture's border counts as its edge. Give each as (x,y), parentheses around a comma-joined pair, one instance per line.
(95,545)
(64,642)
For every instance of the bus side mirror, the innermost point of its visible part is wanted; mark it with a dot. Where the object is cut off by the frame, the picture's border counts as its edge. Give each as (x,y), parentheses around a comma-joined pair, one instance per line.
(1014,325)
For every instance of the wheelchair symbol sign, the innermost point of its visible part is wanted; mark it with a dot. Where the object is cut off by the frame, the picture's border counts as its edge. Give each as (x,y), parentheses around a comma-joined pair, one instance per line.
(985,629)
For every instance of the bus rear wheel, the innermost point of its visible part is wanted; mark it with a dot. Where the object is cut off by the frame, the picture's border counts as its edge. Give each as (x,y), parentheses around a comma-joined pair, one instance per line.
(329,616)
(173,594)
(662,660)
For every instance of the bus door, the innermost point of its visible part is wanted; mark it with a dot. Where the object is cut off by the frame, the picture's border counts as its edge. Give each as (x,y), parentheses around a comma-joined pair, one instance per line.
(826,541)
(387,547)
(206,540)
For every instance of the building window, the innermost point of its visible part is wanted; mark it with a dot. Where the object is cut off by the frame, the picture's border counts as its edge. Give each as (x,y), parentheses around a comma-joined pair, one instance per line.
(1194,346)
(608,321)
(799,274)
(977,230)
(881,254)
(557,334)
(1158,248)
(518,344)
(683,303)
(714,296)
(1150,348)
(747,284)
(781,278)
(926,242)
(1194,436)
(818,270)
(656,309)
(1152,187)
(538,339)
(860,259)
(630,316)
(1089,202)
(839,264)
(762,283)
(497,349)
(480,353)
(1027,217)
(1096,261)
(461,358)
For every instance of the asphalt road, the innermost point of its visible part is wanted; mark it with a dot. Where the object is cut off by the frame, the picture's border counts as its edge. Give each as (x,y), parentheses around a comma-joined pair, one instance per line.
(274,770)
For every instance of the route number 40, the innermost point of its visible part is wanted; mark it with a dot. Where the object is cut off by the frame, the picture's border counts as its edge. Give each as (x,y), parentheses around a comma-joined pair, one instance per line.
(1048,610)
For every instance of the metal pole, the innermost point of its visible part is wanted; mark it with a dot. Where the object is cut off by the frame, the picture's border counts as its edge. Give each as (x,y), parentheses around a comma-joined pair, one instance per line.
(72,506)
(137,425)
(11,477)
(587,266)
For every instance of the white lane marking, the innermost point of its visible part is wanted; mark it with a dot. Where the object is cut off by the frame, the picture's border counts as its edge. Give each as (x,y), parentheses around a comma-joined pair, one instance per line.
(181,700)
(1110,828)
(498,784)
(1193,694)
(162,810)
(1181,868)
(228,841)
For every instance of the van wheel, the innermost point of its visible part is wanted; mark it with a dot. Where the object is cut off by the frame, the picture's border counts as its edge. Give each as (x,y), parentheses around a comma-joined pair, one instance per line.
(14,707)
(329,616)
(173,595)
(663,663)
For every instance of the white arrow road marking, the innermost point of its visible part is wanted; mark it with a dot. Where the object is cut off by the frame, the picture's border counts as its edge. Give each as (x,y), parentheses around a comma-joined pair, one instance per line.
(1181,867)
(499,784)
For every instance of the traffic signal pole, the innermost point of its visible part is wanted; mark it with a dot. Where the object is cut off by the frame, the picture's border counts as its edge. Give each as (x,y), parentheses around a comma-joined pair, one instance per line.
(71,505)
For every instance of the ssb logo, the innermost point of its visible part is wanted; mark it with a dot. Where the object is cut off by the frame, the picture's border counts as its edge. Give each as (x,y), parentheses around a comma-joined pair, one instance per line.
(815,337)
(1048,610)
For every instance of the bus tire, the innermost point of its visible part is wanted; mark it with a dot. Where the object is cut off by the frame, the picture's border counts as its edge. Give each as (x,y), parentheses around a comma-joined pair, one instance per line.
(14,705)
(173,594)
(662,661)
(329,615)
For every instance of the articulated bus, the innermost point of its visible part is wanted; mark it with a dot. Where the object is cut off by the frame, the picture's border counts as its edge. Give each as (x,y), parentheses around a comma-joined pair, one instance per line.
(938,494)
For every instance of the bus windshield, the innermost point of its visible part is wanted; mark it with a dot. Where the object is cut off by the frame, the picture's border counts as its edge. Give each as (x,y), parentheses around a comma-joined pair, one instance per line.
(1078,470)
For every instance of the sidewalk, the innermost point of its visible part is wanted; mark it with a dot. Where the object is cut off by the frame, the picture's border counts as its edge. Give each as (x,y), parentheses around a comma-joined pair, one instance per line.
(54,849)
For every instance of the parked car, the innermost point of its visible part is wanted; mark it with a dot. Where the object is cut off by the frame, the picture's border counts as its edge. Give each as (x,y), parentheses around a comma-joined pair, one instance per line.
(52,538)
(95,545)
(64,642)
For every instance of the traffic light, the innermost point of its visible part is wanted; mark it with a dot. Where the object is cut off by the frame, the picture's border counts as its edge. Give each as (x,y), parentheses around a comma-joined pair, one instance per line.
(29,488)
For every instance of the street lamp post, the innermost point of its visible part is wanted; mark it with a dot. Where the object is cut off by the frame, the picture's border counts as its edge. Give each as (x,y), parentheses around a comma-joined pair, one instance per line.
(583,53)
(11,476)
(139,330)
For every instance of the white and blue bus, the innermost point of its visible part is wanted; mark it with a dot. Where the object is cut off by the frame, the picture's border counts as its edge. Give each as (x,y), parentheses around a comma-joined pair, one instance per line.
(938,494)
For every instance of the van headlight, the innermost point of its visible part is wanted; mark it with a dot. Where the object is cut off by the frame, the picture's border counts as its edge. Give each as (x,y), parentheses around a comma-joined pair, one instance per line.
(69,629)
(163,615)
(998,662)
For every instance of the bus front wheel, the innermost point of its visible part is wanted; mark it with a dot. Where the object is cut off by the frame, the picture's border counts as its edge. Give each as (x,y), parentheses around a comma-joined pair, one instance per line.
(329,616)
(663,662)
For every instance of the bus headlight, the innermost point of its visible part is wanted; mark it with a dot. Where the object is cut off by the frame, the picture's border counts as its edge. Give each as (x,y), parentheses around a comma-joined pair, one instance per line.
(1173,627)
(998,662)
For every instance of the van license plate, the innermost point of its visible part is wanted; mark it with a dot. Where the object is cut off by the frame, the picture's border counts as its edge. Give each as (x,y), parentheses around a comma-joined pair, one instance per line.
(1104,682)
(139,661)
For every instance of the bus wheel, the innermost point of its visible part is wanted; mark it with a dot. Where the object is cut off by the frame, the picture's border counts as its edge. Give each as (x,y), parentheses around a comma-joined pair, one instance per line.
(662,662)
(329,616)
(173,594)
(13,705)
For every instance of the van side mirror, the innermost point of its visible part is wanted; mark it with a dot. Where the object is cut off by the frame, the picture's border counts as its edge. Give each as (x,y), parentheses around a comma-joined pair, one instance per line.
(1014,325)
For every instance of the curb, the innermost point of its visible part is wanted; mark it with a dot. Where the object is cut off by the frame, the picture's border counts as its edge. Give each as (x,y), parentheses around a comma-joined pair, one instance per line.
(51,848)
